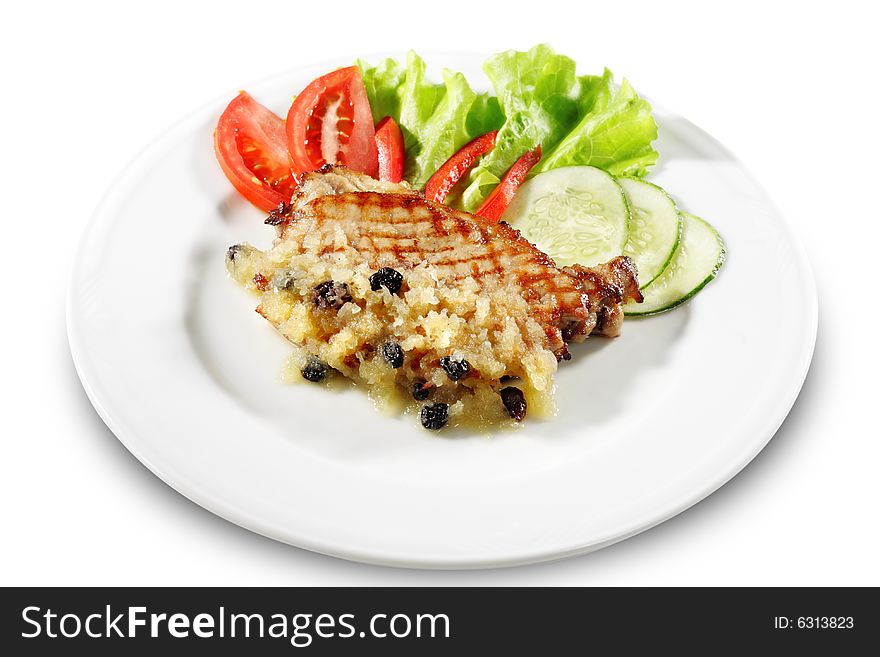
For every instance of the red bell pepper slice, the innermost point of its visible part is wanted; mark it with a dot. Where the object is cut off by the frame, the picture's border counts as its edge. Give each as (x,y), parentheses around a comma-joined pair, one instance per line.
(496,203)
(389,143)
(455,167)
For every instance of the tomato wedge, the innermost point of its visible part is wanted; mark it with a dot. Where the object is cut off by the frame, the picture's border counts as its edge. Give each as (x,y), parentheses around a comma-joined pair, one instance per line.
(330,122)
(455,167)
(389,142)
(496,203)
(250,146)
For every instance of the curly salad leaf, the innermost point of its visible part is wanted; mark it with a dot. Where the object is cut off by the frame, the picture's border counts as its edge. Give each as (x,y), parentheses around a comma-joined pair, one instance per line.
(538,99)
(436,119)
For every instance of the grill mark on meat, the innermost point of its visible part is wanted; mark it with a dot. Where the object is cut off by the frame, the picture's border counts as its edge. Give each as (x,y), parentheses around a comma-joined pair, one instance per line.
(493,253)
(464,228)
(392,226)
(601,318)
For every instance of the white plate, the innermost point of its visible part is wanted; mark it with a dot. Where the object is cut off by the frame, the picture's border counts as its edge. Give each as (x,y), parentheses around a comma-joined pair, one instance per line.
(186,375)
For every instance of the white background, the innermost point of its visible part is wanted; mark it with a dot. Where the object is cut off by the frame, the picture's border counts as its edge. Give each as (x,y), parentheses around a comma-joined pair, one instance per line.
(790,88)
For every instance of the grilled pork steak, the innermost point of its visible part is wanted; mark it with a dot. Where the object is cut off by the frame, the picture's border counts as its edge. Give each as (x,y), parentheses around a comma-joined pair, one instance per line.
(370,279)
(391,225)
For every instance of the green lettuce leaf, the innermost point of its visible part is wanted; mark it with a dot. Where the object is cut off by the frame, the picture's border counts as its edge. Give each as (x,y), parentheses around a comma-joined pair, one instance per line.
(615,135)
(436,119)
(576,120)
(484,116)
(538,99)
(432,139)
(383,83)
(537,91)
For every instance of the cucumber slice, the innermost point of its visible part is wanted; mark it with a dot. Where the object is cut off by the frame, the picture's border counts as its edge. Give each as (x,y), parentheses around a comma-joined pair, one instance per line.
(573,214)
(696,261)
(654,230)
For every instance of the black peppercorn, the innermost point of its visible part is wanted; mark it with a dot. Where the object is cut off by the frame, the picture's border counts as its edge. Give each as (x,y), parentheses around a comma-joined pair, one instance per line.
(514,402)
(393,354)
(330,294)
(390,279)
(562,354)
(455,369)
(421,389)
(278,215)
(434,416)
(233,251)
(314,371)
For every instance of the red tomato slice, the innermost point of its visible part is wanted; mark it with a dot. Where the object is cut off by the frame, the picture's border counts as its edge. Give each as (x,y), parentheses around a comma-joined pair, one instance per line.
(455,167)
(331,122)
(389,143)
(250,146)
(496,203)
